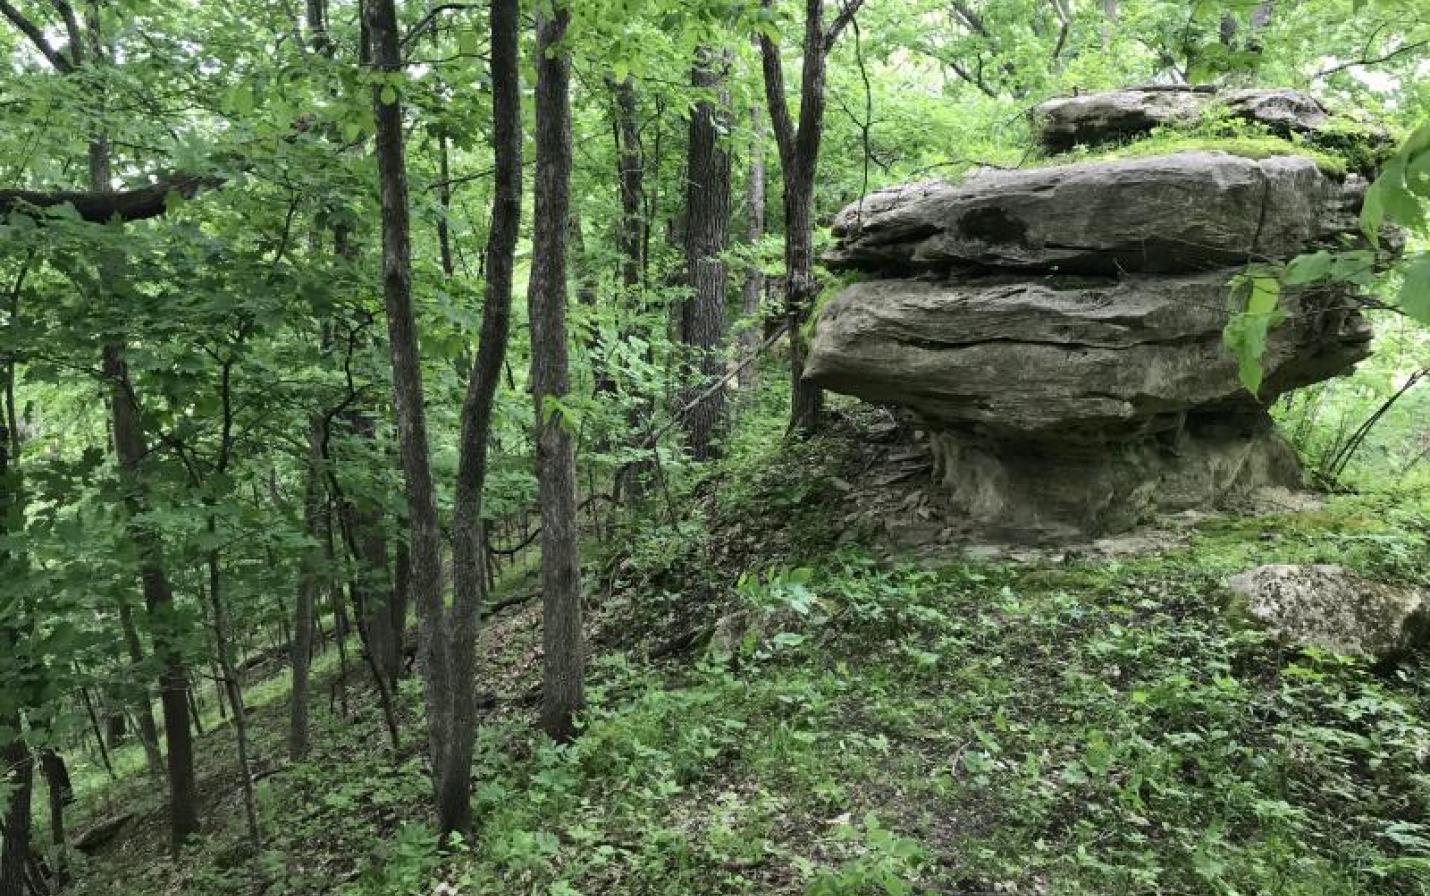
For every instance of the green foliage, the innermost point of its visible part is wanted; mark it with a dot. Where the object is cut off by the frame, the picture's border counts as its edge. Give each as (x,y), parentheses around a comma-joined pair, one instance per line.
(1255,308)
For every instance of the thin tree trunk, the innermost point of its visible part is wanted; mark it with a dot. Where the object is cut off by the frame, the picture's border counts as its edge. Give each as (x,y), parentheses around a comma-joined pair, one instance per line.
(453,778)
(799,163)
(98,734)
(17,770)
(234,685)
(132,452)
(444,200)
(143,706)
(194,711)
(61,793)
(632,188)
(754,288)
(159,599)
(301,657)
(424,535)
(562,682)
(707,227)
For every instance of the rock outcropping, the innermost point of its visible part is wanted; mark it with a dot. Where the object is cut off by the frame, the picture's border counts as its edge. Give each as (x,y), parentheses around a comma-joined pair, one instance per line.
(1059,329)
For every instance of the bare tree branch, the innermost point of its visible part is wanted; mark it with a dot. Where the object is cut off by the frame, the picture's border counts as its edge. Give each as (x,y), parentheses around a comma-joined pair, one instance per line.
(37,37)
(847,11)
(431,16)
(780,122)
(1406,48)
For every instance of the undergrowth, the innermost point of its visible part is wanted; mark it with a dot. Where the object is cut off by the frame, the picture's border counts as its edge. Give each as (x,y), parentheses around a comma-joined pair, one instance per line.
(772,711)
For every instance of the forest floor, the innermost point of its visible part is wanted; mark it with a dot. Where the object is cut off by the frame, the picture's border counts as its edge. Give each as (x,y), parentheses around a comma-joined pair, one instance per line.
(775,709)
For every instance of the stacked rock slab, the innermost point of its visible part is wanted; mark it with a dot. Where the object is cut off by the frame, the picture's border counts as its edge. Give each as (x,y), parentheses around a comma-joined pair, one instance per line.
(1116,116)
(1058,330)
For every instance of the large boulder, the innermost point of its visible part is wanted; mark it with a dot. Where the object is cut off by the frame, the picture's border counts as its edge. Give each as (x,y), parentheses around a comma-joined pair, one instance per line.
(1054,359)
(1333,609)
(1058,331)
(1164,214)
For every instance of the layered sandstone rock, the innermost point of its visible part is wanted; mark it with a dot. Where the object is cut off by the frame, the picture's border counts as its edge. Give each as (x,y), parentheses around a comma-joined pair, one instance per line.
(1059,329)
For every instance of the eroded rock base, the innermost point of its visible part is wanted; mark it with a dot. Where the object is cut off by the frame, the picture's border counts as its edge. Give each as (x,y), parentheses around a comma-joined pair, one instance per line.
(1027,491)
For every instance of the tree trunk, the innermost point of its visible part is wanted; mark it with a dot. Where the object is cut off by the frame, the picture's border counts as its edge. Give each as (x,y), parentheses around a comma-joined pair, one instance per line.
(98,734)
(423,533)
(234,686)
(801,289)
(707,228)
(631,177)
(159,601)
(309,581)
(453,779)
(18,773)
(632,242)
(754,288)
(799,163)
(143,706)
(61,793)
(562,682)
(444,201)
(116,731)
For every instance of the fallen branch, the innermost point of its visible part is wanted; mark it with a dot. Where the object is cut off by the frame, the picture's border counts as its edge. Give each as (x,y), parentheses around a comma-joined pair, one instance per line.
(99,207)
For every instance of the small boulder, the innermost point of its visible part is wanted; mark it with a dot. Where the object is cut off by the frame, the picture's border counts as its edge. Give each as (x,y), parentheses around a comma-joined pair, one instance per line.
(1336,610)
(1115,116)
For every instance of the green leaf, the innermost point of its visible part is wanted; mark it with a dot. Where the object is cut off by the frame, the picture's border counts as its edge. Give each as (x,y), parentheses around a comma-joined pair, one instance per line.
(1305,269)
(388,96)
(1415,289)
(1372,214)
(1247,333)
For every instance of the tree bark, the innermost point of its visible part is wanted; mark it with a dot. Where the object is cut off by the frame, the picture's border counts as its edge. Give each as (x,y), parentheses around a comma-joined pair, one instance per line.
(444,200)
(103,206)
(632,241)
(453,777)
(61,794)
(423,533)
(233,684)
(17,770)
(143,706)
(563,671)
(754,286)
(131,451)
(159,601)
(631,177)
(301,650)
(707,228)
